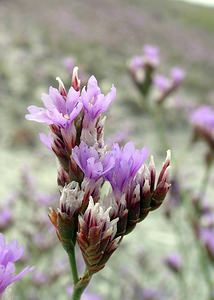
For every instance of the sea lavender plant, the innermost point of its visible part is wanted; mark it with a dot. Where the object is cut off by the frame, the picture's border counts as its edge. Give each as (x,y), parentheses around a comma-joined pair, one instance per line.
(142,68)
(143,71)
(97,223)
(9,254)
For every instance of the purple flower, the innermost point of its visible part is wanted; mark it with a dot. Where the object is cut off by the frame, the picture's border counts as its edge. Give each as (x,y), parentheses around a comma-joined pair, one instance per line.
(94,101)
(5,218)
(203,117)
(59,110)
(136,63)
(9,254)
(207,237)
(46,140)
(128,161)
(174,262)
(161,82)
(177,75)
(89,161)
(151,54)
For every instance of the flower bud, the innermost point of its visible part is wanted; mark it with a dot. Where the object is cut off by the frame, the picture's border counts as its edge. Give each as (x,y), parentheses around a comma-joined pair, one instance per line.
(65,219)
(174,262)
(96,236)
(75,81)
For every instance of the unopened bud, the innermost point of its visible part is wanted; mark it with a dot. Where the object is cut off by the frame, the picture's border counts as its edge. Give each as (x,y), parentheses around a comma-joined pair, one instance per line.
(75,81)
(62,89)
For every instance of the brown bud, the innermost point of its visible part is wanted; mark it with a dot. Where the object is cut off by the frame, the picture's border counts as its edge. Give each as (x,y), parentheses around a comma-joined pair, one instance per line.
(96,236)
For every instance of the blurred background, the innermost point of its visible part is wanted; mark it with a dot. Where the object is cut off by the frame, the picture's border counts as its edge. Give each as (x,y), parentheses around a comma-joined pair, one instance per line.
(40,40)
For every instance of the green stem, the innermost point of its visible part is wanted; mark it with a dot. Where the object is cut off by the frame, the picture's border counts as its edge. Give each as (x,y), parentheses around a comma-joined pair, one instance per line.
(81,285)
(72,260)
(159,118)
(205,181)
(78,293)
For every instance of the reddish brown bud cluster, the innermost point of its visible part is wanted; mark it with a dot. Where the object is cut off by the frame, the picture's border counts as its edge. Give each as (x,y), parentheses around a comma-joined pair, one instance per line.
(96,236)
(145,194)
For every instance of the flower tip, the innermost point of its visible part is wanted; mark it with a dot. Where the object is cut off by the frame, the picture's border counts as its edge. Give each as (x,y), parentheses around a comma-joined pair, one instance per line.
(168,155)
(152,161)
(75,81)
(62,89)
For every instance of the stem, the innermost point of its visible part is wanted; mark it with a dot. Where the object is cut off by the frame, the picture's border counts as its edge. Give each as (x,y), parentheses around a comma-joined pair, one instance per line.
(203,258)
(78,293)
(81,285)
(159,118)
(205,267)
(72,260)
(205,181)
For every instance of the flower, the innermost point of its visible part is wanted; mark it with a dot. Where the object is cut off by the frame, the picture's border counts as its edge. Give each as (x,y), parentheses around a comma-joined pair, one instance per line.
(9,254)
(65,219)
(128,161)
(6,218)
(207,238)
(151,55)
(60,109)
(96,236)
(161,82)
(203,117)
(71,199)
(177,75)
(136,63)
(174,262)
(94,101)
(146,193)
(90,162)
(202,120)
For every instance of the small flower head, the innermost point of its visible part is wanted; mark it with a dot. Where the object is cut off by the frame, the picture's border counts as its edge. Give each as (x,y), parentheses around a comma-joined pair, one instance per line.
(207,238)
(162,83)
(60,108)
(136,63)
(94,102)
(66,217)
(10,253)
(6,218)
(128,161)
(151,55)
(174,262)
(96,236)
(71,199)
(202,120)
(177,75)
(147,192)
(90,162)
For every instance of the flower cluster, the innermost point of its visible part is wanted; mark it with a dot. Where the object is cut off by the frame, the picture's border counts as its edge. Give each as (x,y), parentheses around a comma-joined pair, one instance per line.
(165,86)
(96,220)
(10,253)
(142,68)
(202,120)
(143,72)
